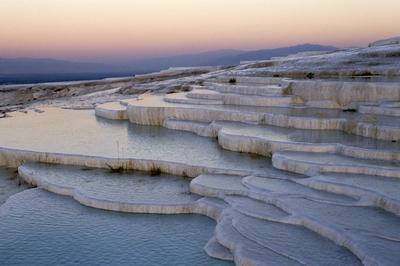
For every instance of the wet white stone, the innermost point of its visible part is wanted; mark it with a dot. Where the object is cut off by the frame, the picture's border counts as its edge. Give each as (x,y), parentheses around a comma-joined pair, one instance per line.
(113,110)
(182,98)
(199,92)
(304,247)
(236,99)
(256,209)
(380,192)
(345,94)
(341,219)
(246,251)
(216,250)
(266,140)
(259,90)
(253,80)
(199,128)
(312,163)
(391,109)
(127,192)
(218,185)
(154,111)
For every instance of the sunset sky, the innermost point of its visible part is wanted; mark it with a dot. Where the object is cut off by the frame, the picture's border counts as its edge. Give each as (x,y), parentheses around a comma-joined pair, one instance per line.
(112,30)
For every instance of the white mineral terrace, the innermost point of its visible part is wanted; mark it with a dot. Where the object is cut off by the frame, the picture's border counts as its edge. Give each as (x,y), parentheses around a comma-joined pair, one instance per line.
(294,172)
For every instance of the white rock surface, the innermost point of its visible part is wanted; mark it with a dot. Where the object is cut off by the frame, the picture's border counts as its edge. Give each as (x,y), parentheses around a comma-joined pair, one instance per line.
(284,202)
(154,111)
(385,108)
(328,197)
(390,41)
(312,163)
(113,110)
(182,98)
(128,192)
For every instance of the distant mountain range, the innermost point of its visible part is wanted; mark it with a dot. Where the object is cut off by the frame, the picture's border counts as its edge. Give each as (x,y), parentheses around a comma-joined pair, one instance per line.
(221,57)
(266,54)
(34,67)
(39,66)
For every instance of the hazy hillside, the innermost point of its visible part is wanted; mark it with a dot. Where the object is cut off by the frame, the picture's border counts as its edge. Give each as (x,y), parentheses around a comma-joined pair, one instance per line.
(200,59)
(223,57)
(44,66)
(23,70)
(268,53)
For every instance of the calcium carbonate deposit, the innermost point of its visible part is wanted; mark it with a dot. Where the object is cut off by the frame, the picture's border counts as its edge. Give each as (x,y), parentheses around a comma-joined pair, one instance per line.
(296,159)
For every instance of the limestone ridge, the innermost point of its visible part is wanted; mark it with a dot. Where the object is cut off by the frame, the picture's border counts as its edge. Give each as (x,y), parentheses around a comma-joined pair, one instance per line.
(329,122)
(341,132)
(390,41)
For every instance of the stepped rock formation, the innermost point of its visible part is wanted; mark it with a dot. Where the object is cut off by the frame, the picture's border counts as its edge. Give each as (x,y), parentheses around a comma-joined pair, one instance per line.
(325,190)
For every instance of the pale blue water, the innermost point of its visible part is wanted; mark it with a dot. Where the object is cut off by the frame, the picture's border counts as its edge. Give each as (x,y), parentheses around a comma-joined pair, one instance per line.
(80,132)
(40,228)
(9,184)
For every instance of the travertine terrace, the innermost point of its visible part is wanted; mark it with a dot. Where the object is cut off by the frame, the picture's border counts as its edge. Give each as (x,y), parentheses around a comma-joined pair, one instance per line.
(326,124)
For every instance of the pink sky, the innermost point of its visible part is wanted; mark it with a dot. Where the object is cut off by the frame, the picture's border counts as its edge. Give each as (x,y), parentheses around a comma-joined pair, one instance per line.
(97,30)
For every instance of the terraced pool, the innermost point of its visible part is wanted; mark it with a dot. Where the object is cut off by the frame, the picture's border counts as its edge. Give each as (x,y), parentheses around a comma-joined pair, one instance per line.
(80,132)
(41,228)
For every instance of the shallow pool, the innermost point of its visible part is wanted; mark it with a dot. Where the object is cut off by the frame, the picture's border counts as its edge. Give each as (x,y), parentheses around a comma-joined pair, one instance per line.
(9,184)
(80,132)
(40,228)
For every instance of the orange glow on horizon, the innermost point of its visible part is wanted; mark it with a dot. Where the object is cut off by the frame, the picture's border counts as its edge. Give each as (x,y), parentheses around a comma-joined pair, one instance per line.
(101,29)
